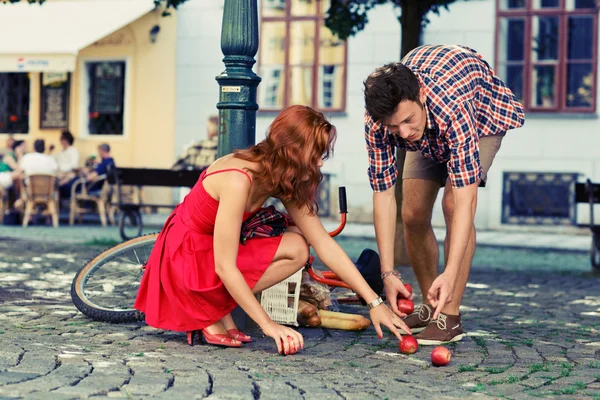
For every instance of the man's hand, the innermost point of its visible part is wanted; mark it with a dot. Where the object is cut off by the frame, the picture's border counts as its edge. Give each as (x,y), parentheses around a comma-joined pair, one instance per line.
(440,293)
(394,287)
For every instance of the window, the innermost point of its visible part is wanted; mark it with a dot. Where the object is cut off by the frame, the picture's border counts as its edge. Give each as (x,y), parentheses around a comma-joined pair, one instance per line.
(14,102)
(546,53)
(300,61)
(539,198)
(106,90)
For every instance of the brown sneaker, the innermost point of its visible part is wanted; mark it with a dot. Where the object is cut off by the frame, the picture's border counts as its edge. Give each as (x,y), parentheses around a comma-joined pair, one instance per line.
(418,320)
(446,329)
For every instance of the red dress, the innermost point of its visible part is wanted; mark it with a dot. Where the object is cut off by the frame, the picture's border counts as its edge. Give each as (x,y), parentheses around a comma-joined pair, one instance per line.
(180,289)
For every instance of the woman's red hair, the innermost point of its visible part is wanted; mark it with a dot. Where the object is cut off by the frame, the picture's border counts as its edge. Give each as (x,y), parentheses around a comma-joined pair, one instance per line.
(289,156)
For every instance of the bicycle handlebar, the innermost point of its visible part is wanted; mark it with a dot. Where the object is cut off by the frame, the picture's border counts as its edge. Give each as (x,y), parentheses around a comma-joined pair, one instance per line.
(343,211)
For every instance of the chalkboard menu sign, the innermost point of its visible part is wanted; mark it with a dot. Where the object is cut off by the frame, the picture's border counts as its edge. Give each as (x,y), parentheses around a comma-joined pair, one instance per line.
(108,96)
(54,100)
(108,87)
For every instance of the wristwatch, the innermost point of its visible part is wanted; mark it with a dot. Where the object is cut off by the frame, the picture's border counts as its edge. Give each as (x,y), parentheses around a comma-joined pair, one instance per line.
(375,303)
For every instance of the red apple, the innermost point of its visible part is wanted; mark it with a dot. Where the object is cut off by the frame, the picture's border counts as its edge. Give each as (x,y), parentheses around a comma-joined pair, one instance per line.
(406,306)
(440,356)
(292,347)
(408,344)
(408,287)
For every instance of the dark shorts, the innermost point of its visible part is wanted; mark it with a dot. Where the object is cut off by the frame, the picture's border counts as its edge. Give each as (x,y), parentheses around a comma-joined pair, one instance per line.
(416,166)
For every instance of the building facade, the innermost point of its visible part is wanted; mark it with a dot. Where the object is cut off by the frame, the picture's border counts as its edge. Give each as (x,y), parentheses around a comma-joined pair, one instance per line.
(105,70)
(546,50)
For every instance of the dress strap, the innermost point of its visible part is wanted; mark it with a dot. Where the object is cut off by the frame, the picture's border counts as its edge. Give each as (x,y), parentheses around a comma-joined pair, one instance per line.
(230,169)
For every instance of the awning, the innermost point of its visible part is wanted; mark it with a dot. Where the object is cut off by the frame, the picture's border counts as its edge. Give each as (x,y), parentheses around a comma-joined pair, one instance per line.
(48,37)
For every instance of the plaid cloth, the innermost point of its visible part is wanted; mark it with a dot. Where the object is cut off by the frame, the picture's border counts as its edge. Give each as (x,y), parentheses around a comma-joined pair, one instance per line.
(265,223)
(465,101)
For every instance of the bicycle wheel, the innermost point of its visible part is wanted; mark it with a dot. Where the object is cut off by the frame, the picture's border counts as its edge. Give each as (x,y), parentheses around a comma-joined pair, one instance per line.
(105,288)
(130,224)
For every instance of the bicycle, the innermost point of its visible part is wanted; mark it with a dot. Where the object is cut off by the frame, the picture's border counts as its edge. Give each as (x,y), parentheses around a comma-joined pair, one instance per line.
(105,288)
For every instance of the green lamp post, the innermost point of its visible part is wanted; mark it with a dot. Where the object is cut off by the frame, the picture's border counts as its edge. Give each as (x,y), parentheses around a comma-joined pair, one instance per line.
(237,84)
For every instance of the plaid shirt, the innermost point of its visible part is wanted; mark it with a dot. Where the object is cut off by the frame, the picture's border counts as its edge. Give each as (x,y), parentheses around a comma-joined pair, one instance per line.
(266,222)
(465,101)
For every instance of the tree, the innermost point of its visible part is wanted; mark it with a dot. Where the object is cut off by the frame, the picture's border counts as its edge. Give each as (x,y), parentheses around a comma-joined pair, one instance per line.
(167,4)
(348,17)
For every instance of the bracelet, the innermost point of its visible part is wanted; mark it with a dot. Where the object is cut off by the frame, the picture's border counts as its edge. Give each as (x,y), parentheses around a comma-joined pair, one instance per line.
(388,273)
(375,303)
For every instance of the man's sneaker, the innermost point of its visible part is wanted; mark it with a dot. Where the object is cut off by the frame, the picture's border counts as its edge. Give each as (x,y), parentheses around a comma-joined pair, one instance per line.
(444,329)
(418,320)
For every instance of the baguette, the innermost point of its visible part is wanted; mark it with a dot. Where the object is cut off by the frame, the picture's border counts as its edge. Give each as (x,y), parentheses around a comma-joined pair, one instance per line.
(338,320)
(306,310)
(308,315)
(312,322)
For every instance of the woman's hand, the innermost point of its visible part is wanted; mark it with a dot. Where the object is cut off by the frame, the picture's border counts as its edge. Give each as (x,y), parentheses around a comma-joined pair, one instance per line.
(280,334)
(381,314)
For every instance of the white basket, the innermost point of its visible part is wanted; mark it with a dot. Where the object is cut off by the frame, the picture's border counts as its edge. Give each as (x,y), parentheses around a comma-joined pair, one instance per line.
(280,301)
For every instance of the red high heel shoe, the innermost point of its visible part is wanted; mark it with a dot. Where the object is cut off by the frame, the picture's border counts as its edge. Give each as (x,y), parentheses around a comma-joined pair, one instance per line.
(216,339)
(237,335)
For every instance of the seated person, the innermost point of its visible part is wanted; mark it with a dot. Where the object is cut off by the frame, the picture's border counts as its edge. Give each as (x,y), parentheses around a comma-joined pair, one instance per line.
(67,159)
(106,162)
(201,154)
(10,140)
(10,161)
(38,162)
(9,165)
(101,168)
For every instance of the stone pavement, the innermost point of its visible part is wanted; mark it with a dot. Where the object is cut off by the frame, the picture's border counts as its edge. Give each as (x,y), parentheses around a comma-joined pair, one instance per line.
(531,333)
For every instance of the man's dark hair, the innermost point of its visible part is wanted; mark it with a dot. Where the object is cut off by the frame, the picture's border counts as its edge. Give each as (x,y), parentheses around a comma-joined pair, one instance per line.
(68,136)
(16,144)
(104,147)
(387,87)
(39,145)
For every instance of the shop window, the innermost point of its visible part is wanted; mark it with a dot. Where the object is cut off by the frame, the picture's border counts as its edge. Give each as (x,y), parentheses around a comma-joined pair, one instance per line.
(106,90)
(539,198)
(300,60)
(14,102)
(546,53)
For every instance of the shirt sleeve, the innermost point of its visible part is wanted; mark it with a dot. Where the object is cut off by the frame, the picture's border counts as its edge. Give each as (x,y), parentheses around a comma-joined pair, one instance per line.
(383,171)
(464,167)
(73,162)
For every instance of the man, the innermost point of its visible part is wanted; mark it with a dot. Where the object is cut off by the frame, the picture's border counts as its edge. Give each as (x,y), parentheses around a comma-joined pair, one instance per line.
(106,162)
(202,153)
(38,162)
(67,159)
(447,108)
(101,168)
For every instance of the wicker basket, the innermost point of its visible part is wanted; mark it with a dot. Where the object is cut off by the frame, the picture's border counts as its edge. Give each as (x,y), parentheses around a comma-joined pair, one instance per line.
(280,301)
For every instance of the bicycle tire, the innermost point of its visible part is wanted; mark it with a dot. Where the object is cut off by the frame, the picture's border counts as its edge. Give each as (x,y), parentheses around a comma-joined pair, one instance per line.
(95,304)
(134,216)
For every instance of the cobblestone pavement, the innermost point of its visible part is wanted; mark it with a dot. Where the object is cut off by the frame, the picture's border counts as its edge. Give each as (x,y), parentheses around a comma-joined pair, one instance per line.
(531,333)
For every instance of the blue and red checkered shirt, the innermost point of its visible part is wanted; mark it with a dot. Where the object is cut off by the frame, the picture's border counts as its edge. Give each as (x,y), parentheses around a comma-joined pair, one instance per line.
(465,101)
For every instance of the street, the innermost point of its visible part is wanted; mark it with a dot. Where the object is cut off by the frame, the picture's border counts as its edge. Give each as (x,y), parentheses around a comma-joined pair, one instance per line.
(530,333)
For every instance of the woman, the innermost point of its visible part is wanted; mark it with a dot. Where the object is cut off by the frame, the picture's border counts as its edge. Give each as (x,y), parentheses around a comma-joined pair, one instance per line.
(9,165)
(10,161)
(199,271)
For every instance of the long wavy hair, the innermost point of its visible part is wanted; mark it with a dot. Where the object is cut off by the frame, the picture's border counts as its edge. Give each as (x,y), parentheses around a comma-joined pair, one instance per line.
(289,156)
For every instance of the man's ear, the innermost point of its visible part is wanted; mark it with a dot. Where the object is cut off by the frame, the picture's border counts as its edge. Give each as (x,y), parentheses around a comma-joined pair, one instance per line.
(422,95)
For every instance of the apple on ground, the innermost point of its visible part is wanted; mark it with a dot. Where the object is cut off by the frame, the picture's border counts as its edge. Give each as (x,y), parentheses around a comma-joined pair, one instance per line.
(408,344)
(440,356)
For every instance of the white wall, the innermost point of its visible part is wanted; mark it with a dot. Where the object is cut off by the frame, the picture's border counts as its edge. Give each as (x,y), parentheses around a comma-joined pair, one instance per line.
(547,143)
(199,61)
